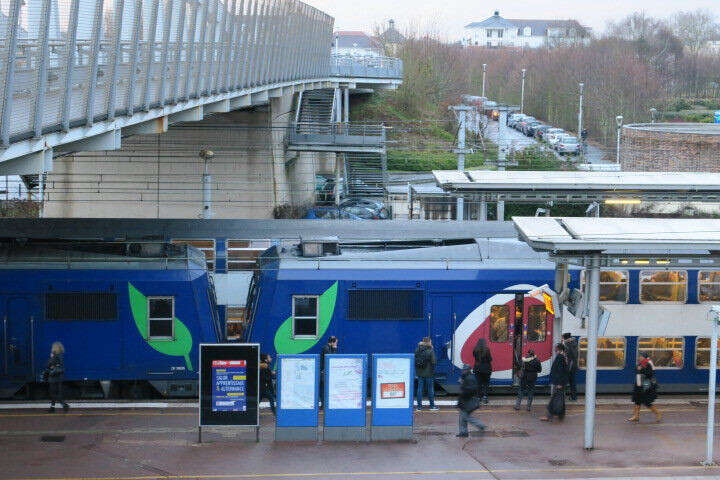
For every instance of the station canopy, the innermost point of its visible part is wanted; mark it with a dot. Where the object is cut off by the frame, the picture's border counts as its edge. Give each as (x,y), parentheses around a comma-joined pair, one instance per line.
(652,242)
(520,186)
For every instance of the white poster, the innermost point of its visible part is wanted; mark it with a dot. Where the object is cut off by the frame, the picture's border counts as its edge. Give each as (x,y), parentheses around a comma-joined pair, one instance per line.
(297,384)
(345,383)
(393,383)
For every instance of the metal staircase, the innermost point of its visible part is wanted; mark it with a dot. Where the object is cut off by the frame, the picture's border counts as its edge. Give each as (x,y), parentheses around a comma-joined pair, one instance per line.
(365,174)
(315,111)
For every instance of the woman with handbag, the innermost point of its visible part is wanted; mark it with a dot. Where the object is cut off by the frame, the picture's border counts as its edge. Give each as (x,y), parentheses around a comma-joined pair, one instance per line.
(645,389)
(482,368)
(558,380)
(55,373)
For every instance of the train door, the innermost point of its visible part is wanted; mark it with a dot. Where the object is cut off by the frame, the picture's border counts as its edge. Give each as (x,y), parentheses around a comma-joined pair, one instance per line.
(441,331)
(518,335)
(18,337)
(538,316)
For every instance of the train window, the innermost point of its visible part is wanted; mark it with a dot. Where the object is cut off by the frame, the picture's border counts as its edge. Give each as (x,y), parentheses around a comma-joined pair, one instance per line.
(702,353)
(613,286)
(665,352)
(499,323)
(305,316)
(234,323)
(161,311)
(536,323)
(709,286)
(81,306)
(611,353)
(207,247)
(385,305)
(243,254)
(663,286)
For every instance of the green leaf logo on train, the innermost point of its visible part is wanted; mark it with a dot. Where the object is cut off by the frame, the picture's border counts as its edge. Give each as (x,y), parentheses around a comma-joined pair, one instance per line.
(284,341)
(179,347)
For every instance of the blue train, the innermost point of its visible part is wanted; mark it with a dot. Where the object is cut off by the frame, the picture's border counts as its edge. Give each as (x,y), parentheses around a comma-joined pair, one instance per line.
(497,289)
(130,315)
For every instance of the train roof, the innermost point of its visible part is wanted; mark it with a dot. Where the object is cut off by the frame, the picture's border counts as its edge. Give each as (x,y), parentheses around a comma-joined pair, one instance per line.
(167,229)
(100,256)
(479,253)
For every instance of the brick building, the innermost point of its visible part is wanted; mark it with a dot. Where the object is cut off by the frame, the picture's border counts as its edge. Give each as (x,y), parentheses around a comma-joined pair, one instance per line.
(671,147)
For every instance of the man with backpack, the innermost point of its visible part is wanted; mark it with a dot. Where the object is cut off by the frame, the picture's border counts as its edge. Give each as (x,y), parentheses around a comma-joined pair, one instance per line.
(425,371)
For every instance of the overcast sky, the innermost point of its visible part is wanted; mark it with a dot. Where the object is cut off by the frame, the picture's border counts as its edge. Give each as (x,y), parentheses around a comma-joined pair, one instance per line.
(447,17)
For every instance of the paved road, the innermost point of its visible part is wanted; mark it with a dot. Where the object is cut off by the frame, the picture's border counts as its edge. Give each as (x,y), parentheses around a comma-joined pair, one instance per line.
(151,444)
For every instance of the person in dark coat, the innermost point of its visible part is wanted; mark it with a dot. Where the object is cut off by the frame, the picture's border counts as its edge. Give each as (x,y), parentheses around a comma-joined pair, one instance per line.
(425,362)
(267,375)
(645,389)
(571,347)
(482,368)
(55,374)
(329,348)
(531,367)
(558,380)
(468,402)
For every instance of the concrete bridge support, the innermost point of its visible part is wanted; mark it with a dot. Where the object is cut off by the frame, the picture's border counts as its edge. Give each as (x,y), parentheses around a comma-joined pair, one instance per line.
(160,176)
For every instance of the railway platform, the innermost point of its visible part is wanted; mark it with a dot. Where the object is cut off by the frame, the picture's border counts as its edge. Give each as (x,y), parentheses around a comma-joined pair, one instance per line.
(158,441)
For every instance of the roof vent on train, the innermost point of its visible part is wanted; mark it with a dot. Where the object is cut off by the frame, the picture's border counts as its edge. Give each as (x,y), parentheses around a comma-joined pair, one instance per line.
(319,247)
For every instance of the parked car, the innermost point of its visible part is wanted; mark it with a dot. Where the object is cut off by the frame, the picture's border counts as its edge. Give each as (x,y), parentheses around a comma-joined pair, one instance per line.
(568,145)
(540,131)
(521,124)
(377,207)
(529,128)
(553,135)
(324,190)
(514,118)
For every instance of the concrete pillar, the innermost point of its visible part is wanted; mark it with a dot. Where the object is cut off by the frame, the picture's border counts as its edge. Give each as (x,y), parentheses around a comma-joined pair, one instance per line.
(593,292)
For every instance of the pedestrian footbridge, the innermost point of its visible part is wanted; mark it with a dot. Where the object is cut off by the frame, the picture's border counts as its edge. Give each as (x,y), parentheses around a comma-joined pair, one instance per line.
(79,75)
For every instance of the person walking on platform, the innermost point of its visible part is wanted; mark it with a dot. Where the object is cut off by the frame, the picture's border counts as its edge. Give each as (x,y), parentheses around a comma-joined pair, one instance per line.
(54,374)
(425,362)
(482,368)
(571,347)
(645,389)
(558,380)
(267,386)
(531,367)
(468,402)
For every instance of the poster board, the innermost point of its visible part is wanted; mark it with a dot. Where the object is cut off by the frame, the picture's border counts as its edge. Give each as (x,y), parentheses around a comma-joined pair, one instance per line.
(298,381)
(346,380)
(392,399)
(229,385)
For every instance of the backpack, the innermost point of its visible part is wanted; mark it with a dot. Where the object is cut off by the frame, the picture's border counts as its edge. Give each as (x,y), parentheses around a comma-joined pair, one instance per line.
(422,359)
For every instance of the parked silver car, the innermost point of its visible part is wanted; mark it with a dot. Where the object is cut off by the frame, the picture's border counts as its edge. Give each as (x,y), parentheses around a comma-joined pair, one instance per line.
(568,145)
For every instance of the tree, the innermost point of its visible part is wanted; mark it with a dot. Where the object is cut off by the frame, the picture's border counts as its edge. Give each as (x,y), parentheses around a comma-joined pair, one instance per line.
(695,29)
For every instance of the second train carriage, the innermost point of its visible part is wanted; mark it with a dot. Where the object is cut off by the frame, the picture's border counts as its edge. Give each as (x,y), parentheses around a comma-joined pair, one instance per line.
(378,302)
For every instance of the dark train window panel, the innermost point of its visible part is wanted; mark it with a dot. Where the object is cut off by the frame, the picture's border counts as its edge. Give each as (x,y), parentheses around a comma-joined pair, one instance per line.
(161,314)
(385,305)
(68,306)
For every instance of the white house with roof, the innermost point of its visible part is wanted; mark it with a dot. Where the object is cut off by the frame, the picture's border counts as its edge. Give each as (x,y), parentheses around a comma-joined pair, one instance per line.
(355,43)
(497,31)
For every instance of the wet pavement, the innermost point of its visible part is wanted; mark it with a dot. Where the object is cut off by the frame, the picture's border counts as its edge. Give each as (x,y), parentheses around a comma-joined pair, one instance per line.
(159,443)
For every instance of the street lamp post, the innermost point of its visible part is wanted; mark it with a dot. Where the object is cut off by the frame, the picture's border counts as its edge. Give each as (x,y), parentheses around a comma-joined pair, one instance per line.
(522,92)
(619,122)
(580,108)
(653,114)
(484,65)
(206,155)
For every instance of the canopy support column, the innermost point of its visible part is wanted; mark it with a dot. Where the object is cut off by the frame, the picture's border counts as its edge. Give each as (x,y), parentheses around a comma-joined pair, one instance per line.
(593,289)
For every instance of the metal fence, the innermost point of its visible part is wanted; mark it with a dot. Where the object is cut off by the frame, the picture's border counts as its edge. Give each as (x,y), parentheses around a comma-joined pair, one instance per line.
(69,63)
(366,66)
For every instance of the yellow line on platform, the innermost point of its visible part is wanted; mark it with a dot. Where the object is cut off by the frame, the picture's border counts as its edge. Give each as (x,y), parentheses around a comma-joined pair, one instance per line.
(489,471)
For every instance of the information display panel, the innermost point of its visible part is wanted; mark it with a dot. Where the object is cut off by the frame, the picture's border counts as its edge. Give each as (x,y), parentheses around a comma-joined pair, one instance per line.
(345,377)
(392,400)
(229,384)
(298,379)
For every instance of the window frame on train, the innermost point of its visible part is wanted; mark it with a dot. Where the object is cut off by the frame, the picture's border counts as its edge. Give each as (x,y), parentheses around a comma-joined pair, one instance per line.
(638,351)
(665,302)
(706,283)
(543,338)
(305,317)
(582,359)
(150,319)
(626,276)
(210,252)
(507,324)
(705,349)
